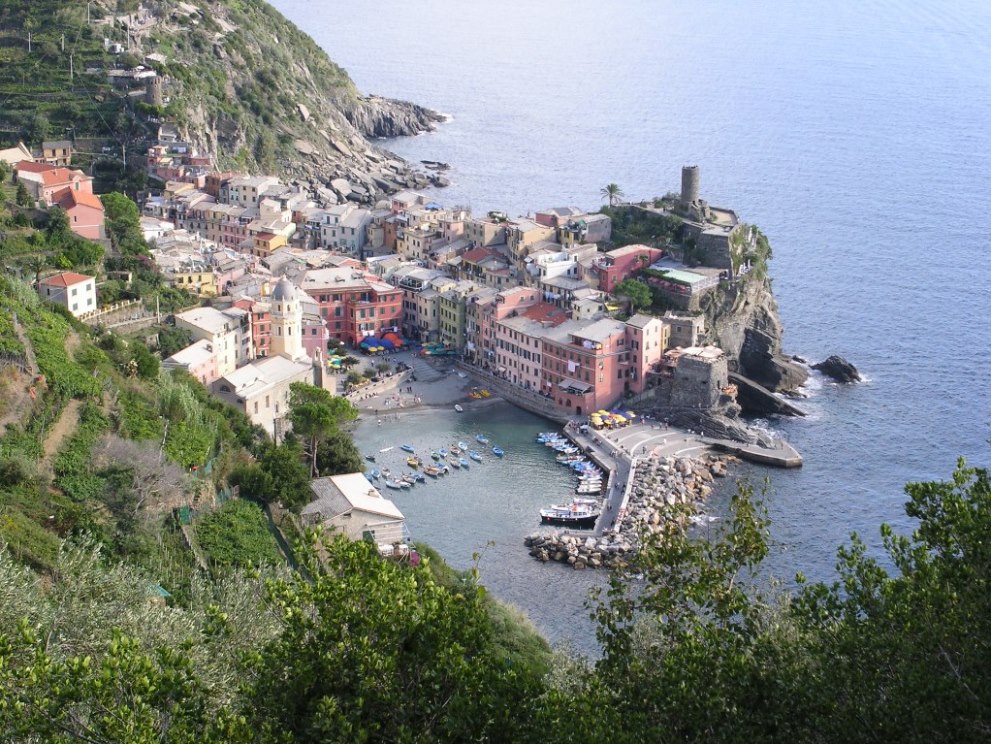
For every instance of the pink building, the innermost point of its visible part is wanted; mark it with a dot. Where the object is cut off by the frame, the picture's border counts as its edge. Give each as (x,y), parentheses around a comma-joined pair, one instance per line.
(198,359)
(84,211)
(518,343)
(609,269)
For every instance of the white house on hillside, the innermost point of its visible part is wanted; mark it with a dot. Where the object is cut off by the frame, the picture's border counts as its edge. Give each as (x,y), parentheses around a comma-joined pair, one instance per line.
(77,292)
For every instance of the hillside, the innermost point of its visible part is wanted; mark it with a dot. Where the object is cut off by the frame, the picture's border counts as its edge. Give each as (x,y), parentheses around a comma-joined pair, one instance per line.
(240,82)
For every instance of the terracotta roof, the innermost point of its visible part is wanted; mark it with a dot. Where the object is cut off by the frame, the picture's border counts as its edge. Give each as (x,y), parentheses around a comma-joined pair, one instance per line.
(71,198)
(477,255)
(28,166)
(62,175)
(65,279)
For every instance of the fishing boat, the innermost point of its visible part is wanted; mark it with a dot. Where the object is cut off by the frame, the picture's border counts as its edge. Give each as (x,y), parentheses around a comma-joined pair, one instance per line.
(464,463)
(578,513)
(454,462)
(375,473)
(589,488)
(459,408)
(387,449)
(454,449)
(370,458)
(481,439)
(432,471)
(407,448)
(395,485)
(408,479)
(475,455)
(463,446)
(413,462)
(443,452)
(435,455)
(498,451)
(444,470)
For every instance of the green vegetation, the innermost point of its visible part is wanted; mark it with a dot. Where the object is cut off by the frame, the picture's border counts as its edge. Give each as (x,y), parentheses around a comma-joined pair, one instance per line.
(240,65)
(316,414)
(353,647)
(637,292)
(632,224)
(237,535)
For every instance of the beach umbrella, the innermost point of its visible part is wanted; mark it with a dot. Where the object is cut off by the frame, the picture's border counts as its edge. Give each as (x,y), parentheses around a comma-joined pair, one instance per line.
(386,343)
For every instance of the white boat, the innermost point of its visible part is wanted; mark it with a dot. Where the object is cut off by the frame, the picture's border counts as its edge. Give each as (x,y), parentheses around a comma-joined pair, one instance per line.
(585,488)
(459,408)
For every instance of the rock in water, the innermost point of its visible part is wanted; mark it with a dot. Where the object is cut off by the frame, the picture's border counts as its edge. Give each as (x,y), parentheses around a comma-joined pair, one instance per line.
(838,368)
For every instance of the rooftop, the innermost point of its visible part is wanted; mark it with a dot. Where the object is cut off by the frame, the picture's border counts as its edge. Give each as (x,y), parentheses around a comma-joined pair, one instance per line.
(255,378)
(65,279)
(340,494)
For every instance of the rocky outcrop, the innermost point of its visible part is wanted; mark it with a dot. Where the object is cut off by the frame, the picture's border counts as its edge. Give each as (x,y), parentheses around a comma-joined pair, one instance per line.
(759,401)
(387,117)
(743,320)
(839,369)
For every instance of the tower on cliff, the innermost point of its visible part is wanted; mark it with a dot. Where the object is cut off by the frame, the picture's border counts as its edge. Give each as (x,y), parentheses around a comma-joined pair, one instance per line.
(689,185)
(153,92)
(287,321)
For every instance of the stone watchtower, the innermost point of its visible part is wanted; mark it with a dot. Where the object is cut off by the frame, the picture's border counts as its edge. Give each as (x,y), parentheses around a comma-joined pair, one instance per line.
(287,321)
(153,92)
(689,185)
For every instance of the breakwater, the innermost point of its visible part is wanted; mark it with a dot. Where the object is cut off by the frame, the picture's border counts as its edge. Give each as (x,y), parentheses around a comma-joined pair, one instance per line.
(656,483)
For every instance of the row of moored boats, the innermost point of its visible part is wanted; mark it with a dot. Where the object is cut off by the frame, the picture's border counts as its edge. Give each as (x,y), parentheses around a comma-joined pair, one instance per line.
(584,509)
(441,461)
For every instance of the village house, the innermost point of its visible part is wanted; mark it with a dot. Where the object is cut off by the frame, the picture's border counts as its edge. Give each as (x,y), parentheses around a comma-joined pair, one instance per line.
(84,211)
(353,303)
(227,331)
(56,152)
(75,292)
(353,507)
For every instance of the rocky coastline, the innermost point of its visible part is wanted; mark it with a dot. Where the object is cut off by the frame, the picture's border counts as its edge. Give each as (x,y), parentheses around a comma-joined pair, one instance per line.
(655,484)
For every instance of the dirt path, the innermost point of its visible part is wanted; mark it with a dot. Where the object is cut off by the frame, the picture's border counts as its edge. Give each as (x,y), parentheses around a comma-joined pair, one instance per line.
(63,428)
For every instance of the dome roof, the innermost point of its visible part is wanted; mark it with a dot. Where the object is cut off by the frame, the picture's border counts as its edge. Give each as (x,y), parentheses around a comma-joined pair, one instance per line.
(284,291)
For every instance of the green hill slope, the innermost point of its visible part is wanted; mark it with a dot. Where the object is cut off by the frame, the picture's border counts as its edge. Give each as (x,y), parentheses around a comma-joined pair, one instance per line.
(239,80)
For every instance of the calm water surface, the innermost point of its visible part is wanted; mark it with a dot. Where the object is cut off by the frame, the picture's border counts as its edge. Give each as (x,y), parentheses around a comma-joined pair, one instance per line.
(856,134)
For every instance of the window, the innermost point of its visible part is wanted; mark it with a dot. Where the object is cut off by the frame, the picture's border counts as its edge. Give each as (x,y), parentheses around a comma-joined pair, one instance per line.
(256,407)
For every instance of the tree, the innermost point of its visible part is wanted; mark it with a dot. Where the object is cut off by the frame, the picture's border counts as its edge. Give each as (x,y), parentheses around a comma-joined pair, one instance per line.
(371,650)
(337,454)
(291,479)
(172,339)
(23,196)
(315,413)
(123,225)
(638,293)
(57,229)
(611,192)
(350,361)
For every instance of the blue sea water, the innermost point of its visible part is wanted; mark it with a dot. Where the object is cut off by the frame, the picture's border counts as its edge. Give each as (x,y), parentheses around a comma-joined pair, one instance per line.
(856,134)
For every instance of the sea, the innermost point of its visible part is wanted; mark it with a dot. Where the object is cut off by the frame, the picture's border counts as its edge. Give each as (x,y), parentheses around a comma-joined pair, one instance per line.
(856,134)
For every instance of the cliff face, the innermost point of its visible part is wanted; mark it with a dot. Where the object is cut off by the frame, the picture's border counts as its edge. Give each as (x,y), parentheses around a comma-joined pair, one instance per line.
(744,321)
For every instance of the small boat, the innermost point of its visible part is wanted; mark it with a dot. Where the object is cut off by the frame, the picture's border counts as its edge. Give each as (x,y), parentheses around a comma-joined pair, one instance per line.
(444,470)
(464,463)
(454,462)
(370,458)
(589,489)
(408,479)
(435,455)
(375,473)
(459,408)
(407,448)
(413,462)
(443,452)
(463,446)
(481,439)
(387,449)
(432,470)
(474,455)
(454,449)
(498,451)
(576,514)
(418,477)
(395,485)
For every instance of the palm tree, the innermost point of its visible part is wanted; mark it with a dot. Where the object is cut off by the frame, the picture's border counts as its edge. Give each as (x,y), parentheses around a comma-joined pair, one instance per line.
(612,192)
